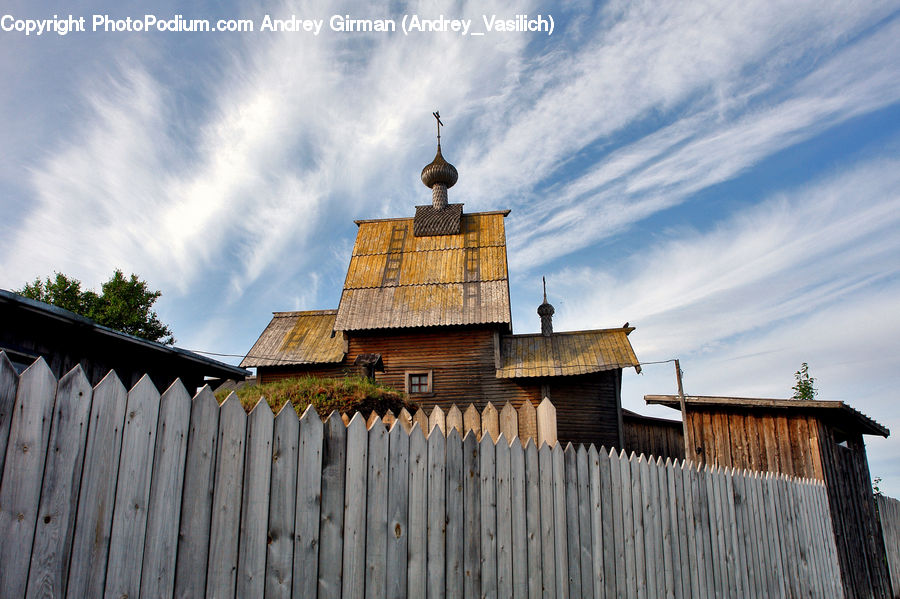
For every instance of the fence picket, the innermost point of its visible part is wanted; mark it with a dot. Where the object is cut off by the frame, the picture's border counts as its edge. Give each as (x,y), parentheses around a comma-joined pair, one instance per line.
(560,521)
(527,422)
(652,538)
(405,419)
(637,511)
(166,488)
(398,506)
(126,545)
(455,420)
(596,515)
(437,419)
(472,513)
(585,544)
(437,519)
(309,502)
(377,511)
(518,518)
(9,382)
(225,523)
(282,503)
(490,422)
(331,525)
(509,422)
(87,574)
(533,520)
(546,423)
(29,433)
(354,571)
(418,509)
(472,422)
(421,418)
(455,532)
(59,493)
(504,519)
(669,544)
(548,539)
(488,500)
(613,558)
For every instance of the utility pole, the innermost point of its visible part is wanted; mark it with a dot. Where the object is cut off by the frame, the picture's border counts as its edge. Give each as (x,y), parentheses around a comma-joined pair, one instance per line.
(684,423)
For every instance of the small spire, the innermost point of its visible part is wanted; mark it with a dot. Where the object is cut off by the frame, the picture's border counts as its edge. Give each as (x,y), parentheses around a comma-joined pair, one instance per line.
(545,311)
(440,175)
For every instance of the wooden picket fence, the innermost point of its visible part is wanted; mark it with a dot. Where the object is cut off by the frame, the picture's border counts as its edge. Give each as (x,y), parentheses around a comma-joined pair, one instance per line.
(132,494)
(889,515)
(537,424)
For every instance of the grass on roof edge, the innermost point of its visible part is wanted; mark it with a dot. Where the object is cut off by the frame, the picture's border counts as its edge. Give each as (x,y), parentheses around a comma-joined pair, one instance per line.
(345,395)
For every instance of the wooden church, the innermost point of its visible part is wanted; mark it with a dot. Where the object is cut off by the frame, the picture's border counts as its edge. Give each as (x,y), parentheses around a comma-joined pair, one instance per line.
(425,308)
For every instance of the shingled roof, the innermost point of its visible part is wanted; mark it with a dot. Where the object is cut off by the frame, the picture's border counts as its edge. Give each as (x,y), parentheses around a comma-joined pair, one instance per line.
(565,354)
(297,338)
(398,280)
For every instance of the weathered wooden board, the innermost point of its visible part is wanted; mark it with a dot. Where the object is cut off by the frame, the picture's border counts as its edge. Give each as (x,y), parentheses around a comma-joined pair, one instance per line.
(126,544)
(62,480)
(637,513)
(166,487)
(509,422)
(418,513)
(472,514)
(224,527)
(310,497)
(87,574)
(20,490)
(354,574)
(548,539)
(518,520)
(282,504)
(331,526)
(455,420)
(397,509)
(455,533)
(197,496)
(488,499)
(561,564)
(9,382)
(490,422)
(573,528)
(533,520)
(436,516)
(504,523)
(377,511)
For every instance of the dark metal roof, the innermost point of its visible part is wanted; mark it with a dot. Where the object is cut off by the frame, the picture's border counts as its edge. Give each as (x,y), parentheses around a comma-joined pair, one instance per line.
(566,353)
(213,367)
(297,338)
(839,409)
(429,221)
(398,280)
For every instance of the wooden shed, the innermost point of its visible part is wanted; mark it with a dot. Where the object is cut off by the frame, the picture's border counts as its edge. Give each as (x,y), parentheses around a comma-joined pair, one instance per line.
(810,439)
(33,329)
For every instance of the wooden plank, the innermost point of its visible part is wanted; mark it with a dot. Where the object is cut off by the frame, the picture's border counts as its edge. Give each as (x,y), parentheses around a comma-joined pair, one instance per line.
(331,527)
(680,559)
(437,515)
(742,534)
(596,515)
(405,419)
(490,422)
(472,513)
(310,499)
(226,506)
(527,422)
(735,555)
(418,512)
(546,423)
(613,557)
(705,558)
(532,520)
(376,517)
(715,530)
(628,531)
(560,523)
(29,434)
(488,499)
(585,513)
(692,544)
(282,503)
(437,419)
(518,520)
(509,422)
(421,419)
(652,537)
(398,507)
(59,494)
(772,534)
(455,420)
(197,495)
(504,515)
(354,574)
(455,527)
(548,540)
(9,382)
(666,575)
(166,488)
(472,421)
(637,511)
(87,574)
(126,544)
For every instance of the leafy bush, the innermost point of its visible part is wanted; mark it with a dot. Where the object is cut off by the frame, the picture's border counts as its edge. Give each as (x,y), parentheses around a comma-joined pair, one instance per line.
(346,395)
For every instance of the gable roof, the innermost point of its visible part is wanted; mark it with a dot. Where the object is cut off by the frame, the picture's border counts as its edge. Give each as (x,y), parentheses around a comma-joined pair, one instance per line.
(835,409)
(566,353)
(398,280)
(294,338)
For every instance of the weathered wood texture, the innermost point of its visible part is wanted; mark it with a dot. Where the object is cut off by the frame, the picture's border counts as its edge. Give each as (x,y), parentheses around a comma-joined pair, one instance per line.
(653,436)
(889,515)
(311,509)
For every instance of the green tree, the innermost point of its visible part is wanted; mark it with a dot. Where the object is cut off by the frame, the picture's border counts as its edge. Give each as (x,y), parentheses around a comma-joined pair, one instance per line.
(124,304)
(805,386)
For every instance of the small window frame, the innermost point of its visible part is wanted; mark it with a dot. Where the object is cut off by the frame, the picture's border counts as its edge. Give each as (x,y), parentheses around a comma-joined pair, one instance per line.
(407,382)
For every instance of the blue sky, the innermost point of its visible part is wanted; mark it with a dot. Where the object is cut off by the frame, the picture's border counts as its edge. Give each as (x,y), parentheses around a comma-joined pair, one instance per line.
(722,175)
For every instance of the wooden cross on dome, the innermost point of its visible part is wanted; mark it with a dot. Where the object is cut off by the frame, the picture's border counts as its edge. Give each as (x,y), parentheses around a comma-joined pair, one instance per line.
(437,116)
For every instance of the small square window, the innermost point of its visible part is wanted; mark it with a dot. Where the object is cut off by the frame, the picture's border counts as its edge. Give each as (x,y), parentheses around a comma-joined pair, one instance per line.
(418,383)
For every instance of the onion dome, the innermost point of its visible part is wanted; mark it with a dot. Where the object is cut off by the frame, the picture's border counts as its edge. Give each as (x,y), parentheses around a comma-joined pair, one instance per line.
(545,311)
(439,172)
